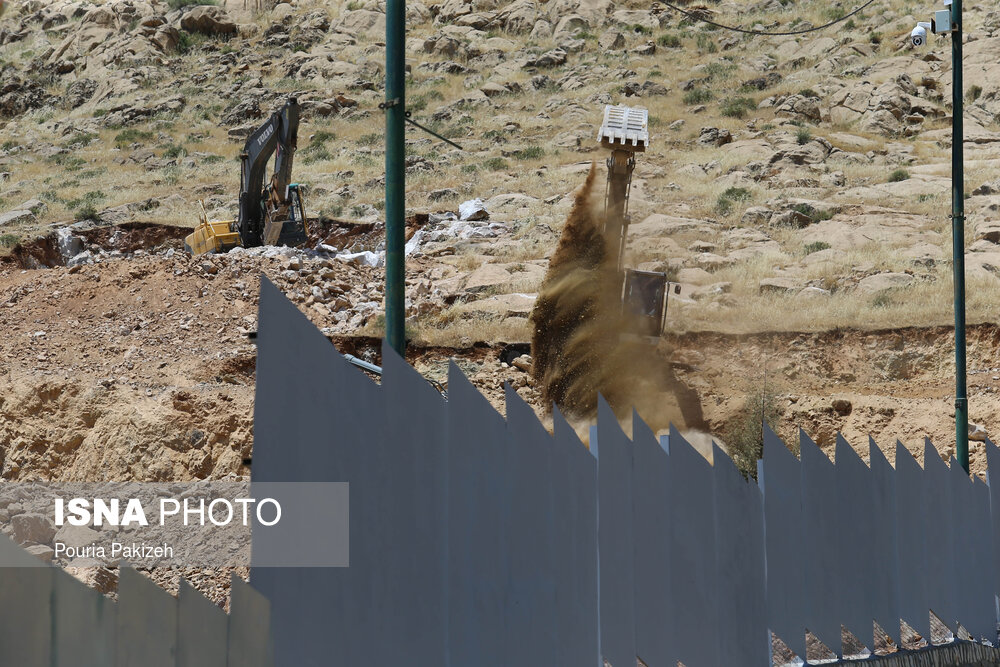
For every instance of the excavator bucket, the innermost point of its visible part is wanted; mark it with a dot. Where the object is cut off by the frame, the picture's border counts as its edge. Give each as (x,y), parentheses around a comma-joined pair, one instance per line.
(644,301)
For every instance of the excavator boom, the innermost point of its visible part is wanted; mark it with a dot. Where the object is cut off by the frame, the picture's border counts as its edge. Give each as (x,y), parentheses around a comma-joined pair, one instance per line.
(625,132)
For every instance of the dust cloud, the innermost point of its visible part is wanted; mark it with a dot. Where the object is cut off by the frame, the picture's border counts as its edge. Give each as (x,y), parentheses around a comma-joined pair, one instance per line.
(577,325)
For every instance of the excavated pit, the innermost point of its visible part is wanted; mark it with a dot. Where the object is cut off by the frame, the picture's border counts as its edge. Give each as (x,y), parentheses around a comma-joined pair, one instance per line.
(62,246)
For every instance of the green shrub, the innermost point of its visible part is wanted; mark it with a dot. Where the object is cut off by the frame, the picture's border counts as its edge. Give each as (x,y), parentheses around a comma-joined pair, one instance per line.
(744,433)
(883,300)
(816,246)
(899,175)
(706,43)
(724,204)
(973,93)
(178,4)
(529,153)
(697,96)
(9,240)
(736,194)
(496,164)
(79,140)
(669,41)
(718,69)
(803,136)
(174,151)
(85,212)
(132,136)
(370,139)
(808,92)
(737,107)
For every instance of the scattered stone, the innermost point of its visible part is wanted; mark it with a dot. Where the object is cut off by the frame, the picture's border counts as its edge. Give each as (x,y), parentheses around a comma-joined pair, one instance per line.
(443,193)
(778,286)
(713,136)
(522,363)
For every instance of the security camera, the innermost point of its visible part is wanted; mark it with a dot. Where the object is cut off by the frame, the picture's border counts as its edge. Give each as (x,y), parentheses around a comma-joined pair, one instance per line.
(918,36)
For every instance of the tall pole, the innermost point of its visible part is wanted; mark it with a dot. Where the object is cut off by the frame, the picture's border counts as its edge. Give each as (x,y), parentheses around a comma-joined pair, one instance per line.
(395,175)
(958,237)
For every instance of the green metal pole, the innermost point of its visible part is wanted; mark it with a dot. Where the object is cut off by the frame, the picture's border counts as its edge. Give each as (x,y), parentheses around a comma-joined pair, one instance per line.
(395,175)
(958,237)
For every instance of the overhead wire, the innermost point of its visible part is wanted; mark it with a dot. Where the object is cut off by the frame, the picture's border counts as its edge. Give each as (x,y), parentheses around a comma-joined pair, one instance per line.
(697,16)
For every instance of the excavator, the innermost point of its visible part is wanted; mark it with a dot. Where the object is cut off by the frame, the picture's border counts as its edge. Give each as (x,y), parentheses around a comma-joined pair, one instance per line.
(269,214)
(625,131)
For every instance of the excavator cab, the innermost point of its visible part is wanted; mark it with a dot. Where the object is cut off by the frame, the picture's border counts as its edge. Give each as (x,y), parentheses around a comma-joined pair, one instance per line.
(268,215)
(625,131)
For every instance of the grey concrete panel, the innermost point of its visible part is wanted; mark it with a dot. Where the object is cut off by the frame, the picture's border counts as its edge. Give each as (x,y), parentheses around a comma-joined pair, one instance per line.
(412,519)
(940,574)
(146,627)
(780,480)
(978,613)
(821,518)
(249,639)
(614,479)
(25,608)
(478,505)
(855,537)
(574,473)
(693,582)
(654,622)
(742,636)
(316,418)
(202,630)
(83,626)
(993,479)
(911,535)
(531,602)
(884,545)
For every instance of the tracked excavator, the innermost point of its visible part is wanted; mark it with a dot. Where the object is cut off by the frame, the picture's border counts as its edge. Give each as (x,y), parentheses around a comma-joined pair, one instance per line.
(270,214)
(625,132)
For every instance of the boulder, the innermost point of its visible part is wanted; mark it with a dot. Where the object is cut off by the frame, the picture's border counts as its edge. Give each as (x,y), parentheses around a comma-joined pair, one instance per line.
(473,210)
(799,106)
(32,527)
(881,282)
(611,40)
(713,136)
(15,217)
(208,20)
(569,27)
(76,536)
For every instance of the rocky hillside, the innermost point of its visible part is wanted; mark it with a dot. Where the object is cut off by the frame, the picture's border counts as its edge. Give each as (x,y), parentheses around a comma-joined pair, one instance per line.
(793,182)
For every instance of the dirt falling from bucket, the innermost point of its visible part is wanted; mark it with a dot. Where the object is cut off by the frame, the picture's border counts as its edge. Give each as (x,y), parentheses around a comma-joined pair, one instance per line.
(576,340)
